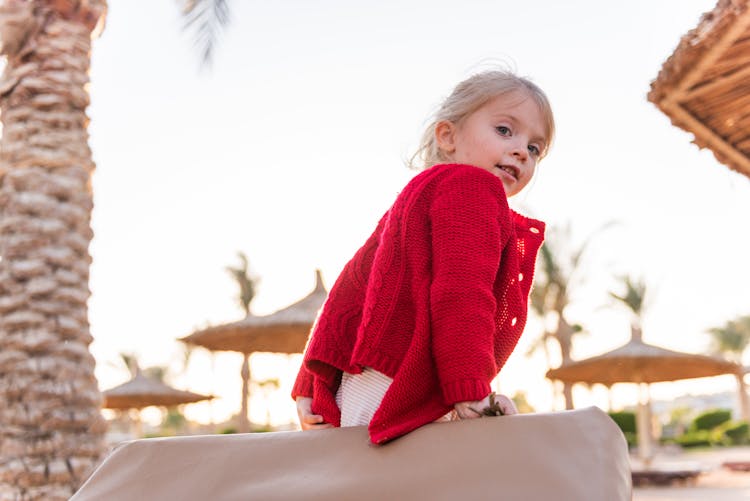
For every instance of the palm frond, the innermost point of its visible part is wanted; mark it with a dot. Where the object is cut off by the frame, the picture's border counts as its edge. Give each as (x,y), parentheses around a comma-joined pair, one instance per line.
(550,266)
(732,339)
(130,360)
(207,19)
(247,282)
(635,293)
(157,372)
(187,355)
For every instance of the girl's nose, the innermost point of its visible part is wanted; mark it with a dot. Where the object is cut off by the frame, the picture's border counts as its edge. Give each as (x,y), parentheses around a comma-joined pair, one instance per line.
(520,151)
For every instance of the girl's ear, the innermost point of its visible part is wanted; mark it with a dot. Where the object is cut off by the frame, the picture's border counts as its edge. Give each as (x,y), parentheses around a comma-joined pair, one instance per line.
(445,136)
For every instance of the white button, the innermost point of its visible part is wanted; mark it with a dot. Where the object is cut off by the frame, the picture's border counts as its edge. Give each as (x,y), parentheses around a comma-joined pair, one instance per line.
(520,277)
(534,230)
(513,321)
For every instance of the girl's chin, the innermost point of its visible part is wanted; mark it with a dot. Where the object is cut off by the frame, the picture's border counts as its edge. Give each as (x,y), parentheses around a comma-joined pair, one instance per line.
(511,187)
(509,182)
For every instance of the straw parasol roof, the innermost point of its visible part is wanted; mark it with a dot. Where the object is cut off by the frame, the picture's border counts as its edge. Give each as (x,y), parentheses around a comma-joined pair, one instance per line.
(704,86)
(639,362)
(142,391)
(284,331)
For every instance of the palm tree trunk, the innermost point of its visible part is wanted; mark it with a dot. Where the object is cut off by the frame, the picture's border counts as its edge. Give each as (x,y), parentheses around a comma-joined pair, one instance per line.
(743,397)
(568,395)
(564,336)
(548,359)
(51,430)
(643,426)
(243,421)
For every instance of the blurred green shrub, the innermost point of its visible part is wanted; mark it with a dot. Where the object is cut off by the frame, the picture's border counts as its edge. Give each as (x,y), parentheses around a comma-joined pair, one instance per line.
(736,432)
(695,438)
(631,438)
(710,419)
(625,420)
(722,431)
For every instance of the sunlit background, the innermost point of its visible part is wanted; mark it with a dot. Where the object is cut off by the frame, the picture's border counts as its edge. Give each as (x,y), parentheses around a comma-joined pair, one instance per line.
(293,143)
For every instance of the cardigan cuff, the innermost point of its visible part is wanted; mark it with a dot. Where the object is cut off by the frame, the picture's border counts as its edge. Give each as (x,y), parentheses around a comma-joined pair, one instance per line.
(465,390)
(303,385)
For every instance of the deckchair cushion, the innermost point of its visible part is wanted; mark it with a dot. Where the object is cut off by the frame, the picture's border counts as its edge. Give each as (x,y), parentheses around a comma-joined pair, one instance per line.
(571,455)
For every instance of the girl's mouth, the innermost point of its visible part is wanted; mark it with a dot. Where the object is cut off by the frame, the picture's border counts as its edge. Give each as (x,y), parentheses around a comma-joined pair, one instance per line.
(510,169)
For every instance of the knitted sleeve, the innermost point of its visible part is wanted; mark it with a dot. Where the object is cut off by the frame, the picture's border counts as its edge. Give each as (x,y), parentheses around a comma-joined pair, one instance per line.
(467,239)
(303,385)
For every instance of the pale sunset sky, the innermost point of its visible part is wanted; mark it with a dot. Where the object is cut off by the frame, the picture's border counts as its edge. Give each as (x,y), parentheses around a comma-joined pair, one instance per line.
(292,145)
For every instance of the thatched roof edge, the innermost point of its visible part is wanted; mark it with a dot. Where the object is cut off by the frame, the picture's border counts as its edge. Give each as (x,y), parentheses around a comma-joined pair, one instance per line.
(693,47)
(683,77)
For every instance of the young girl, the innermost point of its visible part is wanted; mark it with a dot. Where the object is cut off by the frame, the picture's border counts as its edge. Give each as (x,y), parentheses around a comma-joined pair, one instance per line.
(428,310)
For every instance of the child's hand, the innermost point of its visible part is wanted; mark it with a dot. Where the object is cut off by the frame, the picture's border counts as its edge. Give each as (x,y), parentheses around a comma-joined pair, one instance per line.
(308,420)
(473,408)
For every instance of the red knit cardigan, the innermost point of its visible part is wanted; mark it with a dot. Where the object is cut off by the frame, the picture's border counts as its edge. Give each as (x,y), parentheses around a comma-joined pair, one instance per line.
(435,299)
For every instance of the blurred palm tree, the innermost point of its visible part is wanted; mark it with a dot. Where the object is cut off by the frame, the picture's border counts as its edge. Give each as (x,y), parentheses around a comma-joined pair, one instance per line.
(173,421)
(557,271)
(246,282)
(133,366)
(731,341)
(130,361)
(634,300)
(51,430)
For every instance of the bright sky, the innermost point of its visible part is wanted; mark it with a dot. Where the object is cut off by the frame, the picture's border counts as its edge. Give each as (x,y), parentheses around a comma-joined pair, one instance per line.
(293,144)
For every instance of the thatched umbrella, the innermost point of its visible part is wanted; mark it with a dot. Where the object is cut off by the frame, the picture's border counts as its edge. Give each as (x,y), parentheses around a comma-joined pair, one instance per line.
(642,363)
(142,391)
(284,331)
(703,87)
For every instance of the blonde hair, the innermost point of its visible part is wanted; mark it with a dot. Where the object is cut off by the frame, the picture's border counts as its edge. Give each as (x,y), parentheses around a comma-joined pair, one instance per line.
(470,95)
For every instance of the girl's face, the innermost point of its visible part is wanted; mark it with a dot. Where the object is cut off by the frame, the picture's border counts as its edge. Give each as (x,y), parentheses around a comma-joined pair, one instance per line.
(505,137)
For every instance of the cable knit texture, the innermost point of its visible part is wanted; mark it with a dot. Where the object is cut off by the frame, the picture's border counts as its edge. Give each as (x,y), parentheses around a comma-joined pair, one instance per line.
(435,299)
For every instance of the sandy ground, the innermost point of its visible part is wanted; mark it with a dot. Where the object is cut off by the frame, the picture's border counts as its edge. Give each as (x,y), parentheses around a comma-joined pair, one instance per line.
(715,483)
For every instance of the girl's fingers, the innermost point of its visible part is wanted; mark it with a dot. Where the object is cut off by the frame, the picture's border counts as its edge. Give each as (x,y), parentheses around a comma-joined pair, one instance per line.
(506,404)
(315,426)
(312,418)
(468,410)
(472,410)
(314,422)
(321,426)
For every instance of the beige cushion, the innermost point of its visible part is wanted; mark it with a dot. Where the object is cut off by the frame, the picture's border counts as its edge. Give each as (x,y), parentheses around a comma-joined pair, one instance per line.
(572,455)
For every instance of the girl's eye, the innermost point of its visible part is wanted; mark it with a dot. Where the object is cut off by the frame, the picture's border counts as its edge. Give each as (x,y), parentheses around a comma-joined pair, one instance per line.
(503,130)
(534,150)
